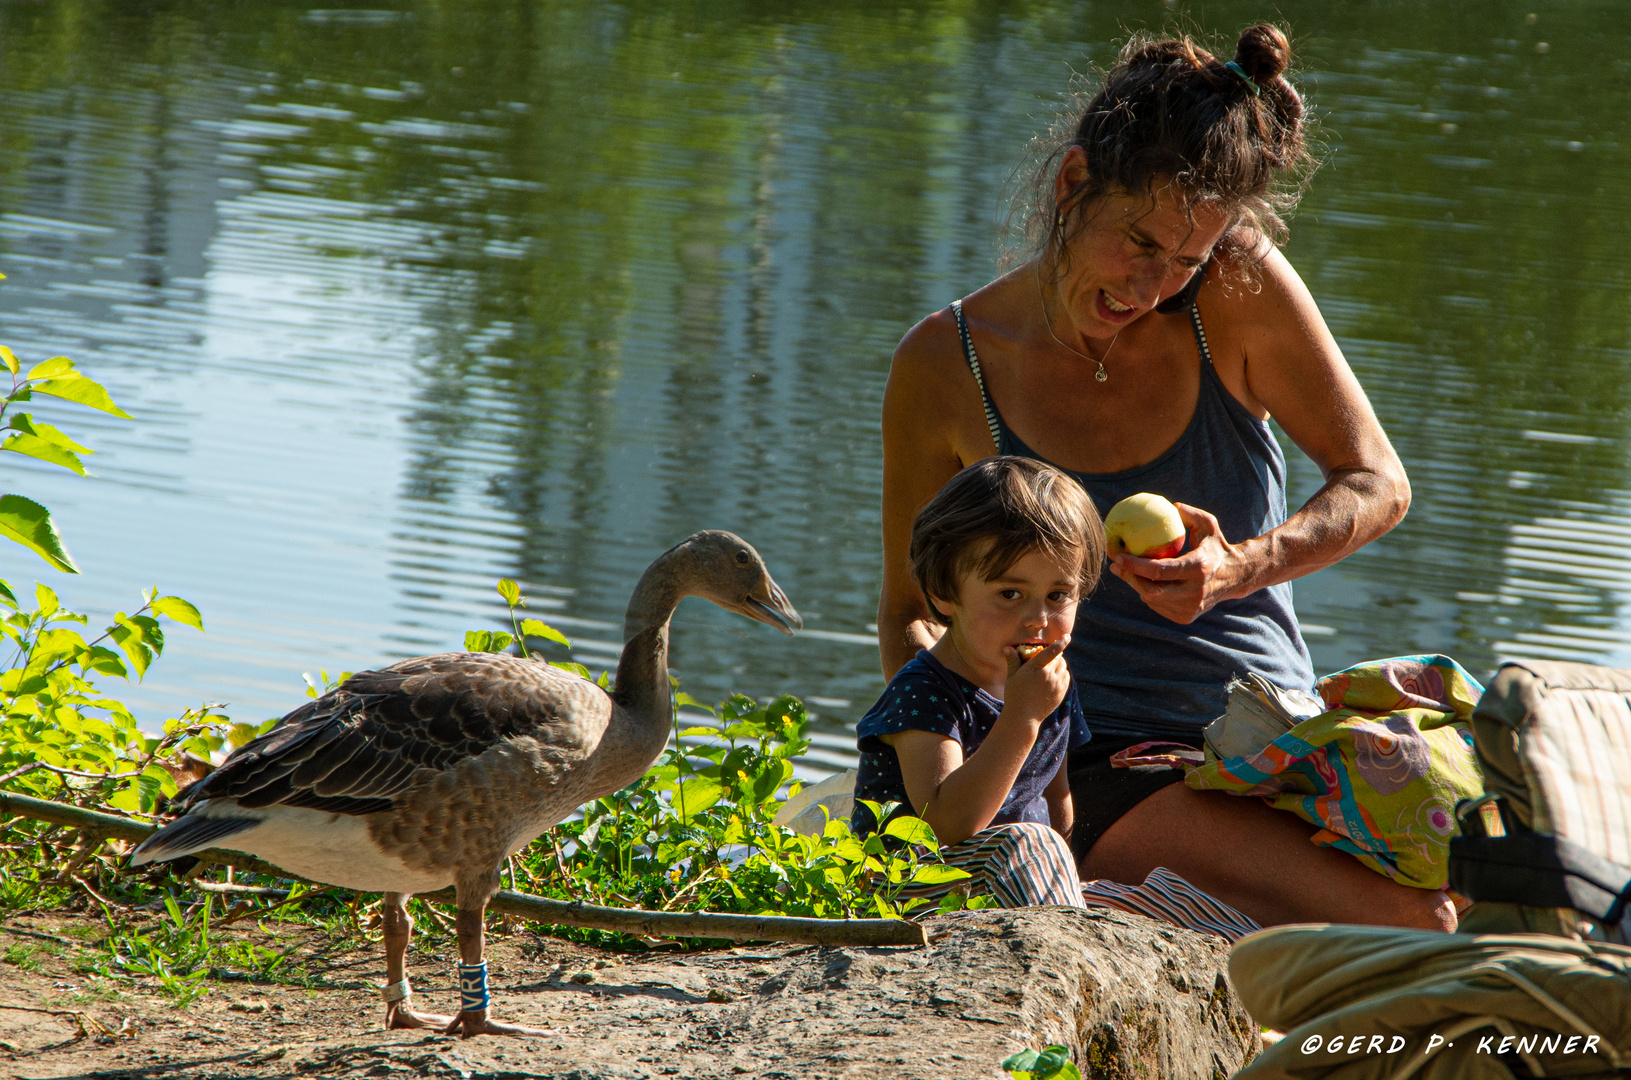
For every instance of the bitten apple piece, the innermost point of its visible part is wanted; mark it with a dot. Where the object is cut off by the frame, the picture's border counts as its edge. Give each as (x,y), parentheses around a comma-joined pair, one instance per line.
(1145,525)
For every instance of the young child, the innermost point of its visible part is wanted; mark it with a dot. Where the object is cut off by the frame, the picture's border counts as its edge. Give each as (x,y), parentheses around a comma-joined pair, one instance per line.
(971,735)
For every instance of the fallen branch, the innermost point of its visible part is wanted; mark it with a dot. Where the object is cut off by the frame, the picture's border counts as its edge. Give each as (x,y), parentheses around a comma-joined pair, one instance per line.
(537,908)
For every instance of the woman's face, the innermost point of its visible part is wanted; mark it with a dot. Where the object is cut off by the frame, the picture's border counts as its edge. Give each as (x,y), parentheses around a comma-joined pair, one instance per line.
(1127,253)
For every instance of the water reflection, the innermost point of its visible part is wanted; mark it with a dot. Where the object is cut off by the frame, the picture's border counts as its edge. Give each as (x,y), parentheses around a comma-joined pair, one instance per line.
(407,300)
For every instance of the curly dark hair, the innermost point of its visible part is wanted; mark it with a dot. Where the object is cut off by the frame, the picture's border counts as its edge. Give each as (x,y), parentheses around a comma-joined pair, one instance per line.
(1170,110)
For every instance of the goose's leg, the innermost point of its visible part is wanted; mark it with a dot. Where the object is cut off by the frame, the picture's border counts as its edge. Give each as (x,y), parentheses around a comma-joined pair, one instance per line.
(473,894)
(399,1011)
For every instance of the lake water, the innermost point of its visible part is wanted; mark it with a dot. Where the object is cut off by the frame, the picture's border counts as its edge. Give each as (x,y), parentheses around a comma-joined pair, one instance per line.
(406,300)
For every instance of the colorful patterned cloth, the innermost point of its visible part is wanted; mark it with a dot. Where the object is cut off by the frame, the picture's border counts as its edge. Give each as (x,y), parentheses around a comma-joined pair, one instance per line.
(1380,773)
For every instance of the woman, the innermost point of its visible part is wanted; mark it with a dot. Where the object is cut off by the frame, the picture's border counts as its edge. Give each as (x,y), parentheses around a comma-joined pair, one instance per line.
(1143,348)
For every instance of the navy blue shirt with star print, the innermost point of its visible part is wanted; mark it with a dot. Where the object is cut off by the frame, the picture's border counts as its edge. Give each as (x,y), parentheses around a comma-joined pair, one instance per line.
(925,695)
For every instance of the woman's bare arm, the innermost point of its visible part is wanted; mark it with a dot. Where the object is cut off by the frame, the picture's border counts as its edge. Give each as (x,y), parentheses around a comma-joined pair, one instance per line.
(928,405)
(1276,355)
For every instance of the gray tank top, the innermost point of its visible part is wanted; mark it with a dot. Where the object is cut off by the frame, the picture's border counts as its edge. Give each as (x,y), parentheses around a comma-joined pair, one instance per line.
(1138,673)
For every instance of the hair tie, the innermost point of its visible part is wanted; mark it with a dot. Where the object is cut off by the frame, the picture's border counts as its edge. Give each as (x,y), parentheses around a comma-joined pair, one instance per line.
(1240,73)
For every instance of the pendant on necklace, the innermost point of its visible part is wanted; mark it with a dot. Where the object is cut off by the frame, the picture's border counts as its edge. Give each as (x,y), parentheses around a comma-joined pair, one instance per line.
(1101,376)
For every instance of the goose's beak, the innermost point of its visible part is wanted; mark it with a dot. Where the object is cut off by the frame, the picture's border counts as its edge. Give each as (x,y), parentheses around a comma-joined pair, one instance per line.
(768,604)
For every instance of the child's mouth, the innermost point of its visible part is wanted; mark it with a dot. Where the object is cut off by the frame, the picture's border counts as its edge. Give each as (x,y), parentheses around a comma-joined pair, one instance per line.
(1029,649)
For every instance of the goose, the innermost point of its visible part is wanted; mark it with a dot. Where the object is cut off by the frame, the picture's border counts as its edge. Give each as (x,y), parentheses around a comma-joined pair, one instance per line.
(430,772)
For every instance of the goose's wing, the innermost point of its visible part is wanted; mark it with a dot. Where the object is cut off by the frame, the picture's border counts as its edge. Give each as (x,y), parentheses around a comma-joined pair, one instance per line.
(355,748)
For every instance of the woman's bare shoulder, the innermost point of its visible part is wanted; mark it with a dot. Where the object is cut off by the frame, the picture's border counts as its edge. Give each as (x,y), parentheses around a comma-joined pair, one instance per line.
(1252,281)
(927,362)
(932,412)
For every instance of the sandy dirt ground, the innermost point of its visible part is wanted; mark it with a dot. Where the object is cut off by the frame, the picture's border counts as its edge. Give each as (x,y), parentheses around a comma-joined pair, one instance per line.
(1137,995)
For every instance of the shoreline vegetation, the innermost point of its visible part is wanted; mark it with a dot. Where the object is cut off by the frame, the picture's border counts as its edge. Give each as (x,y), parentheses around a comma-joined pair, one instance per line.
(695,835)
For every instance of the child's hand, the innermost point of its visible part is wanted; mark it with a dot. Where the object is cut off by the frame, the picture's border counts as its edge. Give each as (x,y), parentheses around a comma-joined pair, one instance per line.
(1035,687)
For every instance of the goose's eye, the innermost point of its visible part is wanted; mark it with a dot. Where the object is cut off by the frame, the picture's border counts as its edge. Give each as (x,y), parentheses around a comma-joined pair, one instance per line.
(742,558)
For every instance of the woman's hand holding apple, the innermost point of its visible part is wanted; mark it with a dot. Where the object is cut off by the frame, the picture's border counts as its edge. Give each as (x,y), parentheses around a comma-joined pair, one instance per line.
(1184,588)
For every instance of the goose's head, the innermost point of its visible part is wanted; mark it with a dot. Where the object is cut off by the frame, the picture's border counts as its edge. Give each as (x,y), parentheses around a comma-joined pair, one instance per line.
(724,568)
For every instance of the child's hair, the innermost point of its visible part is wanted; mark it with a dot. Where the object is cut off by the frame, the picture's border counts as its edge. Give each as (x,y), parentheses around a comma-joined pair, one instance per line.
(1018,504)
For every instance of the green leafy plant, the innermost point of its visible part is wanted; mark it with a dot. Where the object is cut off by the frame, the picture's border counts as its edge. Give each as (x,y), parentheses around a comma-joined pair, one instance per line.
(1049,1063)
(58,728)
(22,519)
(697,832)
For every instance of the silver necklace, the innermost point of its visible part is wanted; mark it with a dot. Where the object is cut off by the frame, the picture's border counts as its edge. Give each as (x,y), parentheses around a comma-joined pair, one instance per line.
(1100,375)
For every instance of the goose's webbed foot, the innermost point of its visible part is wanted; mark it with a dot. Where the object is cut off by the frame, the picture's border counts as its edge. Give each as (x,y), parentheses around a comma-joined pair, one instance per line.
(401,1014)
(475,1022)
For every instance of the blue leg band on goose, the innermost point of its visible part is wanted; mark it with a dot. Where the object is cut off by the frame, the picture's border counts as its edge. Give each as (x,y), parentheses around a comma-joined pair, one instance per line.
(473,987)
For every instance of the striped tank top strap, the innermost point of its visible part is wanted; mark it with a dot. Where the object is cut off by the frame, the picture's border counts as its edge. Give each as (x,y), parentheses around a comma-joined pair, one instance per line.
(1200,333)
(979,376)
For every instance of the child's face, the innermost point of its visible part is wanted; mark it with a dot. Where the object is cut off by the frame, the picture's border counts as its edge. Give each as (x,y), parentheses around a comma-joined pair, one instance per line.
(1032,602)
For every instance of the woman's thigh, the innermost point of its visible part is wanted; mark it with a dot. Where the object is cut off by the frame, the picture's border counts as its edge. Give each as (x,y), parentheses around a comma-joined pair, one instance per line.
(1259,860)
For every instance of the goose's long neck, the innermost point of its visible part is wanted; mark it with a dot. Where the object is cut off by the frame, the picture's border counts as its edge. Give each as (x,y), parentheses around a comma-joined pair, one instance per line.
(642,672)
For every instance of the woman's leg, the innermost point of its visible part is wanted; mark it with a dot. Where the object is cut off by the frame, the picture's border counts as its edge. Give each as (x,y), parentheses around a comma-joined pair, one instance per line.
(1257,859)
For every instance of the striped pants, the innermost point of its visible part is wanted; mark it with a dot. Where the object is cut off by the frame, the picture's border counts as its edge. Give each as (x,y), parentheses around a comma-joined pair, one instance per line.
(1022,865)
(1027,864)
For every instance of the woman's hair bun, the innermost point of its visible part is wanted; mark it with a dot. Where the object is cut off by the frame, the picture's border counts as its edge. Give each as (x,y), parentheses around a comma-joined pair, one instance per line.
(1263,52)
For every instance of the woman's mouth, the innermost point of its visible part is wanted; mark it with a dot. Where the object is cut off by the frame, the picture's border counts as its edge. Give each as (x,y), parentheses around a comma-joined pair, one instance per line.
(1113,310)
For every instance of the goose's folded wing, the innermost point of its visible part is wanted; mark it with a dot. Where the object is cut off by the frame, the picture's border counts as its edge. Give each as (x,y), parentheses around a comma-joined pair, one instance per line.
(355,749)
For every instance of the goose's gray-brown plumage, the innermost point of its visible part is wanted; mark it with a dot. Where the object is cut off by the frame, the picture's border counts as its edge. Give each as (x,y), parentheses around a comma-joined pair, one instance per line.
(429,772)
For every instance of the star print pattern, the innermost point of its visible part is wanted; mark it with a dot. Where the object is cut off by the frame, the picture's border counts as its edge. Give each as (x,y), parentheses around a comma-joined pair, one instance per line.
(927,696)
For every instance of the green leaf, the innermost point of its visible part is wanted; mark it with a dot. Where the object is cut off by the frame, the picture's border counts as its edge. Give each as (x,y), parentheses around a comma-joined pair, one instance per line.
(910,829)
(35,447)
(46,598)
(30,524)
(47,369)
(7,596)
(79,389)
(536,628)
(1021,1061)
(179,610)
(141,639)
(510,591)
(478,641)
(774,775)
(937,874)
(696,794)
(105,661)
(683,699)
(9,357)
(25,422)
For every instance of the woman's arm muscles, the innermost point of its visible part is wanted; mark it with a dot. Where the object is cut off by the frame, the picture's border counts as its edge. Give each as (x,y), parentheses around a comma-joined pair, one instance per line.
(1061,809)
(922,410)
(1295,369)
(1278,358)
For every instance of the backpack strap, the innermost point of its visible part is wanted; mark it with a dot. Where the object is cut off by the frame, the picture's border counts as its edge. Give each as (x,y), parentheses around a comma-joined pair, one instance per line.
(1536,870)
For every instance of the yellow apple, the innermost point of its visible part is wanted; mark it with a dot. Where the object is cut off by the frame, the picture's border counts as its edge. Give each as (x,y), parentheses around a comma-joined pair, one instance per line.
(1144,525)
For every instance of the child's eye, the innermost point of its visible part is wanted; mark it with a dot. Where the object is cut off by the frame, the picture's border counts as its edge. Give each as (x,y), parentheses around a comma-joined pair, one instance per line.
(1009,594)
(1061,597)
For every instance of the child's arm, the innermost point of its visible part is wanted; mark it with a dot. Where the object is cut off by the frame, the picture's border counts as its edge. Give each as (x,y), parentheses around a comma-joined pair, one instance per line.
(958,797)
(1061,810)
